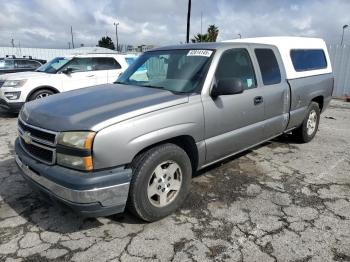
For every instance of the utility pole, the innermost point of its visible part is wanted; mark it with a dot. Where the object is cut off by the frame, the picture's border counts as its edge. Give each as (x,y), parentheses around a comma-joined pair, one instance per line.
(13,42)
(71,32)
(188,21)
(342,36)
(68,45)
(116,35)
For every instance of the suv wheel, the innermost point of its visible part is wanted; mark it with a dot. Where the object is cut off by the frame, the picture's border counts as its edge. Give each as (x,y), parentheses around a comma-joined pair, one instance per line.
(160,183)
(42,93)
(308,129)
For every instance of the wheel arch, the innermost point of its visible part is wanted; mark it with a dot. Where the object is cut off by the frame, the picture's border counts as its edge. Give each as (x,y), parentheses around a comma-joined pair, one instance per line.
(319,100)
(186,142)
(53,89)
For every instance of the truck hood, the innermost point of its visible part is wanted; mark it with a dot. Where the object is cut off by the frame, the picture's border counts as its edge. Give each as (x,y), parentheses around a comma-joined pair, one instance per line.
(23,75)
(97,107)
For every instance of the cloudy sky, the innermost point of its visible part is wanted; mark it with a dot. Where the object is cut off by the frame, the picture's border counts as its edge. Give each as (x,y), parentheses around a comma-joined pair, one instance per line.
(46,23)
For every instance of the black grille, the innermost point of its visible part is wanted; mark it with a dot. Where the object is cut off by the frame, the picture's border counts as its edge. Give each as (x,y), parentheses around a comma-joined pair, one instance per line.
(37,133)
(38,152)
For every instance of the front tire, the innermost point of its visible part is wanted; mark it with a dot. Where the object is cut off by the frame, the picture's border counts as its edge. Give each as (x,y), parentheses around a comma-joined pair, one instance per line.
(160,183)
(308,129)
(41,93)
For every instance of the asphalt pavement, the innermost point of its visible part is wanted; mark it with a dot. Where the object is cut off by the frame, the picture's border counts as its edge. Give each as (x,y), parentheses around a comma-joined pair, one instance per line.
(281,201)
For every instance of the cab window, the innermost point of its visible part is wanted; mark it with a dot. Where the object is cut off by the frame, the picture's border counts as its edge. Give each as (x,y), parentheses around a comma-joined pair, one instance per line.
(236,63)
(268,64)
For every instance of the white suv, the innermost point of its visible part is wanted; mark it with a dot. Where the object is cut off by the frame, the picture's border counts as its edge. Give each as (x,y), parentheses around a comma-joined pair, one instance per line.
(59,75)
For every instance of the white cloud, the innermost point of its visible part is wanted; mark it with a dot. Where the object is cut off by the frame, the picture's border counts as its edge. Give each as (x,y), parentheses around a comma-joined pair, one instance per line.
(46,23)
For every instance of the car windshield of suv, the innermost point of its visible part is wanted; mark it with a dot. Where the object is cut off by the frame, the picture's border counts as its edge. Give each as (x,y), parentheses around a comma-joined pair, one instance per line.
(172,70)
(54,65)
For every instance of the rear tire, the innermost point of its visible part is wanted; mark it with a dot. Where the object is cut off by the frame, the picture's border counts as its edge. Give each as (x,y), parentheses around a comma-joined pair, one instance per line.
(41,93)
(160,183)
(308,129)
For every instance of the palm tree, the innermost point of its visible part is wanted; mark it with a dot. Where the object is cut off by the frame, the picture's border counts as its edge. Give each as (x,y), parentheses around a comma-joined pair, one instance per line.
(213,32)
(210,36)
(200,38)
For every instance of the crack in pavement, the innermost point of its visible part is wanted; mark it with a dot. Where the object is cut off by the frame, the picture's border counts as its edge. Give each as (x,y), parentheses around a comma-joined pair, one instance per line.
(281,201)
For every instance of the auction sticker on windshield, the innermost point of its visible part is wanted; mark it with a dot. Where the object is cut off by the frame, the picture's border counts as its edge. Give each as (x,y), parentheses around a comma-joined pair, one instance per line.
(206,53)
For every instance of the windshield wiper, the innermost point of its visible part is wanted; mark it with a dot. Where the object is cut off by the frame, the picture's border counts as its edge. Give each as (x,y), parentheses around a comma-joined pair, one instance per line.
(157,87)
(150,86)
(163,88)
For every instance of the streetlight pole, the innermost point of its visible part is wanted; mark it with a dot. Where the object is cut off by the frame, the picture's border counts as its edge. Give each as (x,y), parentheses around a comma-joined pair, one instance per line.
(116,35)
(71,32)
(342,36)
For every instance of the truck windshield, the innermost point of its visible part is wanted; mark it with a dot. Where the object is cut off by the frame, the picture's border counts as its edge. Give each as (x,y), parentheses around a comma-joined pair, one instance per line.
(54,65)
(173,70)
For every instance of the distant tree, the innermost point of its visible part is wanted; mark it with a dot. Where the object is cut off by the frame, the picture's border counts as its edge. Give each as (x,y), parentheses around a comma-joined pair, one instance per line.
(213,32)
(200,38)
(106,42)
(210,36)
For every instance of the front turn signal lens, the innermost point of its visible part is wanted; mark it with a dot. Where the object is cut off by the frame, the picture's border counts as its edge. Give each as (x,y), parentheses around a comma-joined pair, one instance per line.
(88,164)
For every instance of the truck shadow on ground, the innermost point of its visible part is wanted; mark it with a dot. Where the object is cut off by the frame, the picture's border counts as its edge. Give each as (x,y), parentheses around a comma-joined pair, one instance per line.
(4,114)
(36,210)
(222,181)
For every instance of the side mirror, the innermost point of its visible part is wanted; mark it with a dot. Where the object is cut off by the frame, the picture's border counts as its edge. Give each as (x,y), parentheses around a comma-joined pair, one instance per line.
(67,70)
(227,86)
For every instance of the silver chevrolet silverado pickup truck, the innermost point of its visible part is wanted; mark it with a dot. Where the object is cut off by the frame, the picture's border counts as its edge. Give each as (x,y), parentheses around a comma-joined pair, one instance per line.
(177,109)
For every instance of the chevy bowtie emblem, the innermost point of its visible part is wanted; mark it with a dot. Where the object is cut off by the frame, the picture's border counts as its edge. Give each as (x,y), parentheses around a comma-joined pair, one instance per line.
(27,138)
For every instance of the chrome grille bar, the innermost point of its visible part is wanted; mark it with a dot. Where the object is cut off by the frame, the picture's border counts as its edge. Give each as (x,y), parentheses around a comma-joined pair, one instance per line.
(36,147)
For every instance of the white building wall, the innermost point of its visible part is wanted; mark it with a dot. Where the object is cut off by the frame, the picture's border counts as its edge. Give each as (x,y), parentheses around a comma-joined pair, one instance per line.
(48,54)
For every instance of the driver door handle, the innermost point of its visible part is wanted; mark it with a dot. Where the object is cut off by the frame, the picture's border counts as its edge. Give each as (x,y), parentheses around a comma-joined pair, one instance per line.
(90,75)
(258,100)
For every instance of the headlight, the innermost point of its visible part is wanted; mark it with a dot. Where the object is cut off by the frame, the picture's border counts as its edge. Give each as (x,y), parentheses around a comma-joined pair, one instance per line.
(74,150)
(14,83)
(82,140)
(75,162)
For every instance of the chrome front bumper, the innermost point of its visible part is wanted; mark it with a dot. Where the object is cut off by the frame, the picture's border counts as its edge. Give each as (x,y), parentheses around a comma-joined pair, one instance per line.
(99,193)
(107,196)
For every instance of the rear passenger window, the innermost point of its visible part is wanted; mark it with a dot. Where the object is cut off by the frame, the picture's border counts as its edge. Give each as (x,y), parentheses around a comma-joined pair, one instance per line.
(236,63)
(105,63)
(308,59)
(269,68)
(30,64)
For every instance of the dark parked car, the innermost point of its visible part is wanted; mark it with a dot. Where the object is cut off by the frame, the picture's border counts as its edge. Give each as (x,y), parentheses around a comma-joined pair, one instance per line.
(12,64)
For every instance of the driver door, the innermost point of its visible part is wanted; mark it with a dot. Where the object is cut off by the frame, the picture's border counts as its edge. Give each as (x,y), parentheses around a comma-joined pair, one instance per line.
(81,75)
(233,122)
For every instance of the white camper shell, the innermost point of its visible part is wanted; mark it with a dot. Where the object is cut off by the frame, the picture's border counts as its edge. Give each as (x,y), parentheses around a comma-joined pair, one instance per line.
(286,45)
